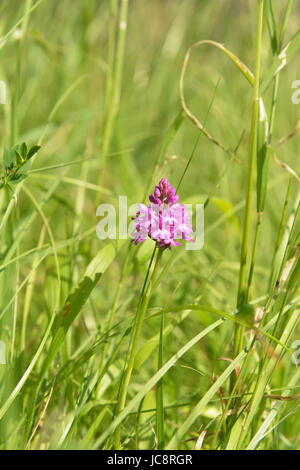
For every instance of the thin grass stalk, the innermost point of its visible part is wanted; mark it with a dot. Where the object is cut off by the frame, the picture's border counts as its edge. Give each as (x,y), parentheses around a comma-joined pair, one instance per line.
(29,292)
(285,21)
(242,287)
(15,313)
(136,335)
(267,368)
(289,242)
(159,391)
(12,276)
(5,218)
(31,410)
(114,85)
(261,197)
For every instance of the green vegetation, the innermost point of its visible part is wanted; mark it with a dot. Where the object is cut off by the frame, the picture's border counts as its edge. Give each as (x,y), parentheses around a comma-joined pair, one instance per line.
(111,345)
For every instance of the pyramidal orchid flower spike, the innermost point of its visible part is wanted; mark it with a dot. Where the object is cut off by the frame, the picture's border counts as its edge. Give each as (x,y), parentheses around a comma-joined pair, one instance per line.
(164,220)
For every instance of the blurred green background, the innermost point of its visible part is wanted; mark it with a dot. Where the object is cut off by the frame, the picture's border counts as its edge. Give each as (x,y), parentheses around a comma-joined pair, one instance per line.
(66,44)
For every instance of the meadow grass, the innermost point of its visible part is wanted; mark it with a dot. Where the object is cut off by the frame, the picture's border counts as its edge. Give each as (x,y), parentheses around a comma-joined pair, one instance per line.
(109,345)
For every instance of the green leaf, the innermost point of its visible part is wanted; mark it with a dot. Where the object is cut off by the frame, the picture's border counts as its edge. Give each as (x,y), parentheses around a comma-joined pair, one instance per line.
(33,151)
(23,150)
(8,158)
(237,62)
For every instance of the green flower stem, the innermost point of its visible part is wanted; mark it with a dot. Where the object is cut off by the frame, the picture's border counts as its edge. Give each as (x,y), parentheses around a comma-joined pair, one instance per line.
(159,391)
(134,345)
(243,284)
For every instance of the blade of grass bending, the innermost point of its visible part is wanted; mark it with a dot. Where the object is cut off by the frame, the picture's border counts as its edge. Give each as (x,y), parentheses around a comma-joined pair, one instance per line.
(76,300)
(280,244)
(235,318)
(29,369)
(264,377)
(73,305)
(59,103)
(199,136)
(269,363)
(73,162)
(113,7)
(241,66)
(15,314)
(7,36)
(281,61)
(153,381)
(72,365)
(263,157)
(264,136)
(264,140)
(264,428)
(285,20)
(24,227)
(164,146)
(144,300)
(271,26)
(47,250)
(48,228)
(185,427)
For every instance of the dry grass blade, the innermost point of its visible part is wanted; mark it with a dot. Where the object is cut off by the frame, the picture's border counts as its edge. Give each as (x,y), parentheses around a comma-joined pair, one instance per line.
(292,134)
(200,440)
(287,168)
(241,66)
